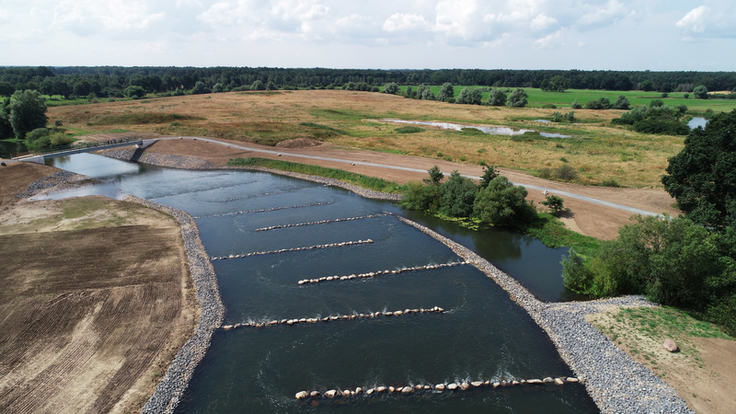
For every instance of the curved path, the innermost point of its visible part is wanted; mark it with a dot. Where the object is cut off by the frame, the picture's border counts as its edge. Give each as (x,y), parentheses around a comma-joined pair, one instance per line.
(415,170)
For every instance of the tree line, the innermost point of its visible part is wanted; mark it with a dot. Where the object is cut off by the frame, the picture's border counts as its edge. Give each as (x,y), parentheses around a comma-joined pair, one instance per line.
(111,81)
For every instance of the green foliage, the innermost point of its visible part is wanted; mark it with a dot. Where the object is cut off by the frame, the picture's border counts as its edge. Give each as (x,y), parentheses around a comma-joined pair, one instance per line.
(134,92)
(656,103)
(6,89)
(218,88)
(497,97)
(6,129)
(555,204)
(409,130)
(421,197)
(576,105)
(600,103)
(27,112)
(557,84)
(501,203)
(549,106)
(489,174)
(435,176)
(391,88)
(458,195)
(575,275)
(621,103)
(700,92)
(469,97)
(657,119)
(447,92)
(701,177)
(567,117)
(518,98)
(425,93)
(257,85)
(199,88)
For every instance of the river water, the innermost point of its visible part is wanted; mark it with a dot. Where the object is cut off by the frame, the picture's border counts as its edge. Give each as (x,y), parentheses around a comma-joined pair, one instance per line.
(483,335)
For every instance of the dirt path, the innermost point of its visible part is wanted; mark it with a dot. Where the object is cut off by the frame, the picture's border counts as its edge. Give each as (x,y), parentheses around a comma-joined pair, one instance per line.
(96,300)
(587,218)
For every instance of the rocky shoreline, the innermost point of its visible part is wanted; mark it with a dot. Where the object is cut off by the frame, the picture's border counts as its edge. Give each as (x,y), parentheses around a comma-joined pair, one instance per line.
(617,383)
(170,389)
(57,181)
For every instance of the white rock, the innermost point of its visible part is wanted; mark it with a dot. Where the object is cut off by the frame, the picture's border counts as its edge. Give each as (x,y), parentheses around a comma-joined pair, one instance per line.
(301,395)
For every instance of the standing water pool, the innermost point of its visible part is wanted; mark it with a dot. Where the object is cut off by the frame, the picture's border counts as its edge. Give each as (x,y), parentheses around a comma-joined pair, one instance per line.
(481,335)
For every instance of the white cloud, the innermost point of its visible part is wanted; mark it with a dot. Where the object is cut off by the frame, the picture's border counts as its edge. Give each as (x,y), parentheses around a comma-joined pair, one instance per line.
(695,20)
(542,22)
(4,15)
(550,41)
(602,16)
(89,17)
(402,22)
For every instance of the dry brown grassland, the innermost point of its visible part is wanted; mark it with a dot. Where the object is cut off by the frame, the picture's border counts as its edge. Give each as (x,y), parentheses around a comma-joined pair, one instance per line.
(352,120)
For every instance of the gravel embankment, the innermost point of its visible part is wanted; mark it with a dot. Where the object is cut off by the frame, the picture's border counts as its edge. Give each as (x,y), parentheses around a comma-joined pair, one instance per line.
(617,383)
(170,389)
(58,181)
(161,160)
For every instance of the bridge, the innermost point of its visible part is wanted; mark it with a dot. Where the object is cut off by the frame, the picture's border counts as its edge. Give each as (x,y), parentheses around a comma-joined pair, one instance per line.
(40,156)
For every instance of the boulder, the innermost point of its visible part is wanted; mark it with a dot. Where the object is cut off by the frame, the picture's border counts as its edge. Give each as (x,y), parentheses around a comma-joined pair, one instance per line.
(496,384)
(314,394)
(670,345)
(358,391)
(452,387)
(330,394)
(465,386)
(477,384)
(370,391)
(535,381)
(381,389)
(548,380)
(407,390)
(559,381)
(439,387)
(301,395)
(572,379)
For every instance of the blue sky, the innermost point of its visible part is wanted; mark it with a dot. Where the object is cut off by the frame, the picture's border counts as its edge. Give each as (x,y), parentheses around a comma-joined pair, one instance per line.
(383,34)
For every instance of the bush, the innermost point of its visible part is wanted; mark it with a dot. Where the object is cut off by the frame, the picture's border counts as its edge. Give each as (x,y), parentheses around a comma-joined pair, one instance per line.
(657,126)
(421,197)
(58,123)
(549,106)
(391,88)
(518,98)
(60,138)
(610,182)
(497,98)
(409,130)
(576,105)
(600,103)
(458,195)
(555,204)
(575,275)
(566,172)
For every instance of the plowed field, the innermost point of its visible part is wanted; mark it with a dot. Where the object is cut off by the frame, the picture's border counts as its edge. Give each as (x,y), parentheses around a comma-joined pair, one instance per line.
(89,317)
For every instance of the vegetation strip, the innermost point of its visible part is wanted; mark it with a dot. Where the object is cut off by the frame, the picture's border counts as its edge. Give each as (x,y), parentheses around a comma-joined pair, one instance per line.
(614,381)
(380,272)
(269,194)
(171,388)
(264,210)
(429,388)
(312,223)
(295,249)
(373,315)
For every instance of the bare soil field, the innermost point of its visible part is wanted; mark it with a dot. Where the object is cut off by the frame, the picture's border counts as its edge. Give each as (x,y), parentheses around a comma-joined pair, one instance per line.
(597,150)
(95,301)
(702,371)
(586,218)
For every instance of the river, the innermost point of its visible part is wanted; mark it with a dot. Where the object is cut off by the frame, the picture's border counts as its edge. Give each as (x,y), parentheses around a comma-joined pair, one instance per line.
(482,335)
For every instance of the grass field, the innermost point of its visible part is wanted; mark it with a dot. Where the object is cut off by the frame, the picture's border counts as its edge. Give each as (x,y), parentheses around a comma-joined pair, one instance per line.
(598,151)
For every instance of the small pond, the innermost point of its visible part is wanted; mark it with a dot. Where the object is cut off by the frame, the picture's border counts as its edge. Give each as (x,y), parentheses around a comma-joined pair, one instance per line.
(486,130)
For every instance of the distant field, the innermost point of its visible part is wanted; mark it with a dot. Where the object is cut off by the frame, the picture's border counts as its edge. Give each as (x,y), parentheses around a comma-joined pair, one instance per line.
(598,151)
(563,100)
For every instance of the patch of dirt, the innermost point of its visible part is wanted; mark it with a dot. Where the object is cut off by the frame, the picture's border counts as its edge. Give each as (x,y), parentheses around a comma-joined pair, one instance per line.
(95,301)
(587,218)
(15,177)
(702,371)
(299,143)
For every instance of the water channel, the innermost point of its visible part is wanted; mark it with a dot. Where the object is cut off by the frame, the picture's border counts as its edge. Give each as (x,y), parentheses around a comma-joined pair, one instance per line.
(483,335)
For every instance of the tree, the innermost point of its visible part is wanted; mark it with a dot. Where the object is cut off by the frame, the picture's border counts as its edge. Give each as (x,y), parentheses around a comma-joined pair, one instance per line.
(82,88)
(199,88)
(218,88)
(700,92)
(576,105)
(447,92)
(435,176)
(6,89)
(489,174)
(6,129)
(134,92)
(497,97)
(500,203)
(555,204)
(518,98)
(621,103)
(425,93)
(27,112)
(391,88)
(701,177)
(463,97)
(257,86)
(458,195)
(557,84)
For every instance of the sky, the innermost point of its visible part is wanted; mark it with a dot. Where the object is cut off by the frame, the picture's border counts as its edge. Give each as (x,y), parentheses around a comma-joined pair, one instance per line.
(658,35)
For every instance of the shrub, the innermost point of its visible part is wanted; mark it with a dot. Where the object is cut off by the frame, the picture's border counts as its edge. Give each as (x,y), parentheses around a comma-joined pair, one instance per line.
(58,123)
(687,95)
(391,88)
(600,103)
(409,130)
(60,138)
(575,275)
(555,204)
(610,182)
(566,172)
(497,98)
(549,106)
(458,195)
(576,105)
(501,203)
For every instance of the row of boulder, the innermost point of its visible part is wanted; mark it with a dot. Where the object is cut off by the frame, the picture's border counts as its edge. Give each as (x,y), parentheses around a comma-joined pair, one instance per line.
(294,249)
(372,315)
(274,193)
(437,388)
(311,223)
(265,210)
(380,272)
